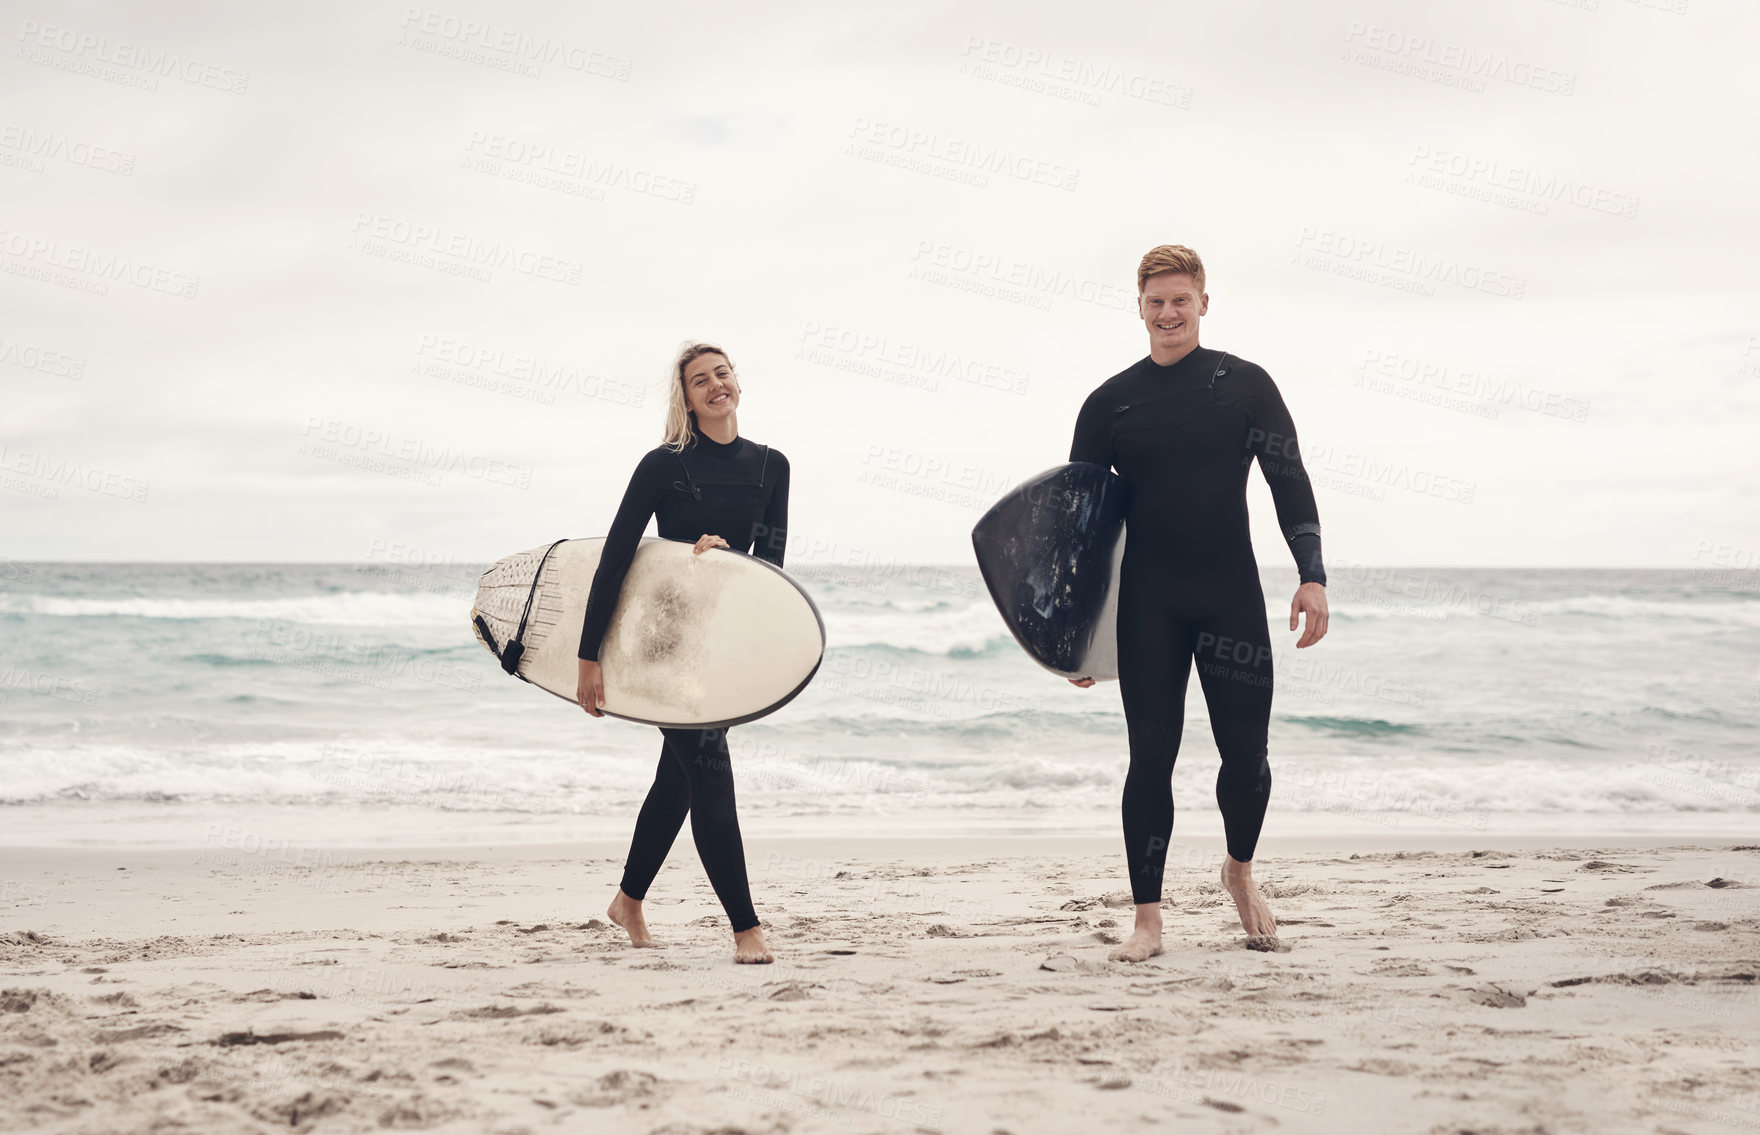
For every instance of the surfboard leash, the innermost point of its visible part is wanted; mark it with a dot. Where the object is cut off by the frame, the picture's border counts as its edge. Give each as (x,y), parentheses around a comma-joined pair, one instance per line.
(516,646)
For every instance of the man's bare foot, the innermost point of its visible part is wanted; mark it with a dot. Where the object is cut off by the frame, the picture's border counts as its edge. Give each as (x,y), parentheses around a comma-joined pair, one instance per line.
(627,913)
(1237,879)
(1145,940)
(749,948)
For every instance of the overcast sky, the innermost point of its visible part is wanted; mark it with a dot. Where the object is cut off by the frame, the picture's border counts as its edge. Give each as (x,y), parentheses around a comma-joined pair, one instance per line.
(316,282)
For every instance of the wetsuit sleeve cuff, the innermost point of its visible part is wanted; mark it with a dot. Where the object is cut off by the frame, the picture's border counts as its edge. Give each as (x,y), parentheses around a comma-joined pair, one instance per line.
(1304,545)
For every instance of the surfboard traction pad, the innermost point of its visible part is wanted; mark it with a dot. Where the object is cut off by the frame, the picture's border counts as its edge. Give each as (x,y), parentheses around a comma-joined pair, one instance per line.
(1049,552)
(657,654)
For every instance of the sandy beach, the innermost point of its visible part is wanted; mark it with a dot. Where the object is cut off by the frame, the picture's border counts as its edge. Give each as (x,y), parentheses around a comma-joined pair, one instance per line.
(934,985)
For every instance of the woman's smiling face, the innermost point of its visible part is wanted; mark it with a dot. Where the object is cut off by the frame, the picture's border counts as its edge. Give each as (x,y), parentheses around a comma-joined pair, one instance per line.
(710,388)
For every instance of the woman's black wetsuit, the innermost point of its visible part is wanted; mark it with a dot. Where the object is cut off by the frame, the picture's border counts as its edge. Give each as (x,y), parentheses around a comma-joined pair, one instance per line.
(1183,437)
(738,492)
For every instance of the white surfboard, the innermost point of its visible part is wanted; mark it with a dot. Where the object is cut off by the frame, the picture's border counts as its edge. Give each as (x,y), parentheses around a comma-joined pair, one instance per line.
(695,641)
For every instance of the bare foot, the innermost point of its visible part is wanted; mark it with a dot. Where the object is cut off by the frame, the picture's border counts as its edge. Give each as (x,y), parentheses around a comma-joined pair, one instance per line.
(1145,940)
(749,948)
(627,913)
(1237,879)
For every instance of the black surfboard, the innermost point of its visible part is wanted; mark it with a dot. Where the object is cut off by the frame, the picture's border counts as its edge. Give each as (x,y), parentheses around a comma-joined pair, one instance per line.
(1049,552)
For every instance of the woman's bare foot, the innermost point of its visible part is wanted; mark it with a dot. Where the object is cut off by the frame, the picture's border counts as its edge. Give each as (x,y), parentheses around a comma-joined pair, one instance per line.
(627,913)
(1237,879)
(749,948)
(1145,940)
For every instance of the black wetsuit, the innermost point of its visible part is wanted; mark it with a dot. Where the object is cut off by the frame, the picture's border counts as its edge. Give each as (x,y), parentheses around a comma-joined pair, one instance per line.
(1183,438)
(738,492)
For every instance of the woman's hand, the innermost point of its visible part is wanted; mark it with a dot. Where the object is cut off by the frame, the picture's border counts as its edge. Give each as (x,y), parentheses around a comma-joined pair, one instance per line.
(704,543)
(589,689)
(1310,598)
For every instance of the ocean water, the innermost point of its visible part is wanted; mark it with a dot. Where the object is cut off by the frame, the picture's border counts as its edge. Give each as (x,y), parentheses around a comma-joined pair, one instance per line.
(195,703)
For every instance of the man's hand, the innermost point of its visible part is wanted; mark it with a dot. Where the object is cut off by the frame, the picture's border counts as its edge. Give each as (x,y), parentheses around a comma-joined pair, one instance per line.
(1084,683)
(1310,598)
(589,688)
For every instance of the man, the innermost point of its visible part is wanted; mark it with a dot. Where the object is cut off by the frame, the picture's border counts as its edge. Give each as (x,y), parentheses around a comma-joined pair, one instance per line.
(1182,428)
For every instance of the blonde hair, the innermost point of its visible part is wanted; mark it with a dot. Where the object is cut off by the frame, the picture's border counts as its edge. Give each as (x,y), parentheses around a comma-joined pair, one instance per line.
(681,423)
(1170,258)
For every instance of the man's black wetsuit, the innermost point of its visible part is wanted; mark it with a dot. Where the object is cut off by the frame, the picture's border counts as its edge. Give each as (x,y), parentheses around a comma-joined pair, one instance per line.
(738,492)
(1183,437)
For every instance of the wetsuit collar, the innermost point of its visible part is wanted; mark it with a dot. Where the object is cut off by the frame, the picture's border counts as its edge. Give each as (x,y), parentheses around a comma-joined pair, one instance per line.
(708,445)
(1198,363)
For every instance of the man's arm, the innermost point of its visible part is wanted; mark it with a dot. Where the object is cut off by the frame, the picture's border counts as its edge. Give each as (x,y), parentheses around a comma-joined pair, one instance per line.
(1093,435)
(1271,437)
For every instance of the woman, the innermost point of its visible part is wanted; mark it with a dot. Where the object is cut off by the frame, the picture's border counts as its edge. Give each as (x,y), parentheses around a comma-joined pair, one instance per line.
(708,485)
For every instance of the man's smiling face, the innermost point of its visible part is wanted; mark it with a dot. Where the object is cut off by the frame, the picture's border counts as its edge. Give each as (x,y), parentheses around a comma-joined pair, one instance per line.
(1171,305)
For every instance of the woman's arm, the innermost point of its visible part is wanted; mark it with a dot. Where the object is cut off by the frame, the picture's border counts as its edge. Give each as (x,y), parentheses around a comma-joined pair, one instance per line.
(647,486)
(771,538)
